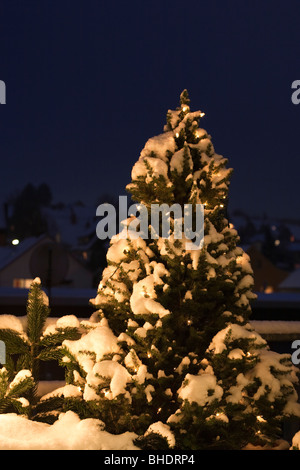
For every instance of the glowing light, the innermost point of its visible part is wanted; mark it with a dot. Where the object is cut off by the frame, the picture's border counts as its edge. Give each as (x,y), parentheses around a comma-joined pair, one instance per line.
(221,205)
(260,419)
(277,242)
(177,135)
(184,109)
(269,290)
(202,114)
(15,242)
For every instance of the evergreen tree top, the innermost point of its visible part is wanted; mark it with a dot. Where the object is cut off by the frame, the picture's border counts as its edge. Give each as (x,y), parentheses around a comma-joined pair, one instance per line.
(184,98)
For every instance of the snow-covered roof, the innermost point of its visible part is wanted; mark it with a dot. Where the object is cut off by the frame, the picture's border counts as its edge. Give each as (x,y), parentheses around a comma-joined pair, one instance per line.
(276,327)
(9,253)
(292,281)
(294,229)
(71,222)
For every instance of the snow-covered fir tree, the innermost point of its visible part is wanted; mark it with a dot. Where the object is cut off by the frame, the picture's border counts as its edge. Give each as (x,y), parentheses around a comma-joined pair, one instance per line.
(169,353)
(174,348)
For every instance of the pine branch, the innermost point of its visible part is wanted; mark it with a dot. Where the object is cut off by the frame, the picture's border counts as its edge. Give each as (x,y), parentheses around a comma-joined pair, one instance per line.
(50,354)
(20,388)
(14,342)
(62,334)
(37,312)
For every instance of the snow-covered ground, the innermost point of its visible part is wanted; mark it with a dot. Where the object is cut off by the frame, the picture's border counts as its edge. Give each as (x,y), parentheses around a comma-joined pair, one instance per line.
(67,433)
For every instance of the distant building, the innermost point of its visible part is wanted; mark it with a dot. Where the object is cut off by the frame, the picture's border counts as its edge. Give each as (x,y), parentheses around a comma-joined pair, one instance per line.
(291,283)
(71,224)
(267,276)
(41,257)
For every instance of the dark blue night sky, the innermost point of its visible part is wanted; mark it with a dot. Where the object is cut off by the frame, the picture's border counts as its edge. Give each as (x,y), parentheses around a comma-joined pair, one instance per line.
(88,82)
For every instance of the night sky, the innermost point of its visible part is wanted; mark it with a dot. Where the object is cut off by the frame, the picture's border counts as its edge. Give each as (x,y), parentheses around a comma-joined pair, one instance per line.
(89,82)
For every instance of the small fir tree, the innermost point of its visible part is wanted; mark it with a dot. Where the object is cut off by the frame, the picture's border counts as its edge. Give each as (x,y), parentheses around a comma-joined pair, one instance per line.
(29,343)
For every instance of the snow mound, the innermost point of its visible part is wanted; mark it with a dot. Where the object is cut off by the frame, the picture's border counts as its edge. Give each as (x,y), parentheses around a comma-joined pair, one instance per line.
(201,389)
(164,430)
(296,441)
(101,340)
(107,369)
(67,433)
(159,146)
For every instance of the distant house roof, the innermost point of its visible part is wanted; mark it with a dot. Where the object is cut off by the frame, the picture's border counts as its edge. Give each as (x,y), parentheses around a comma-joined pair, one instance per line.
(30,258)
(264,271)
(10,253)
(292,282)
